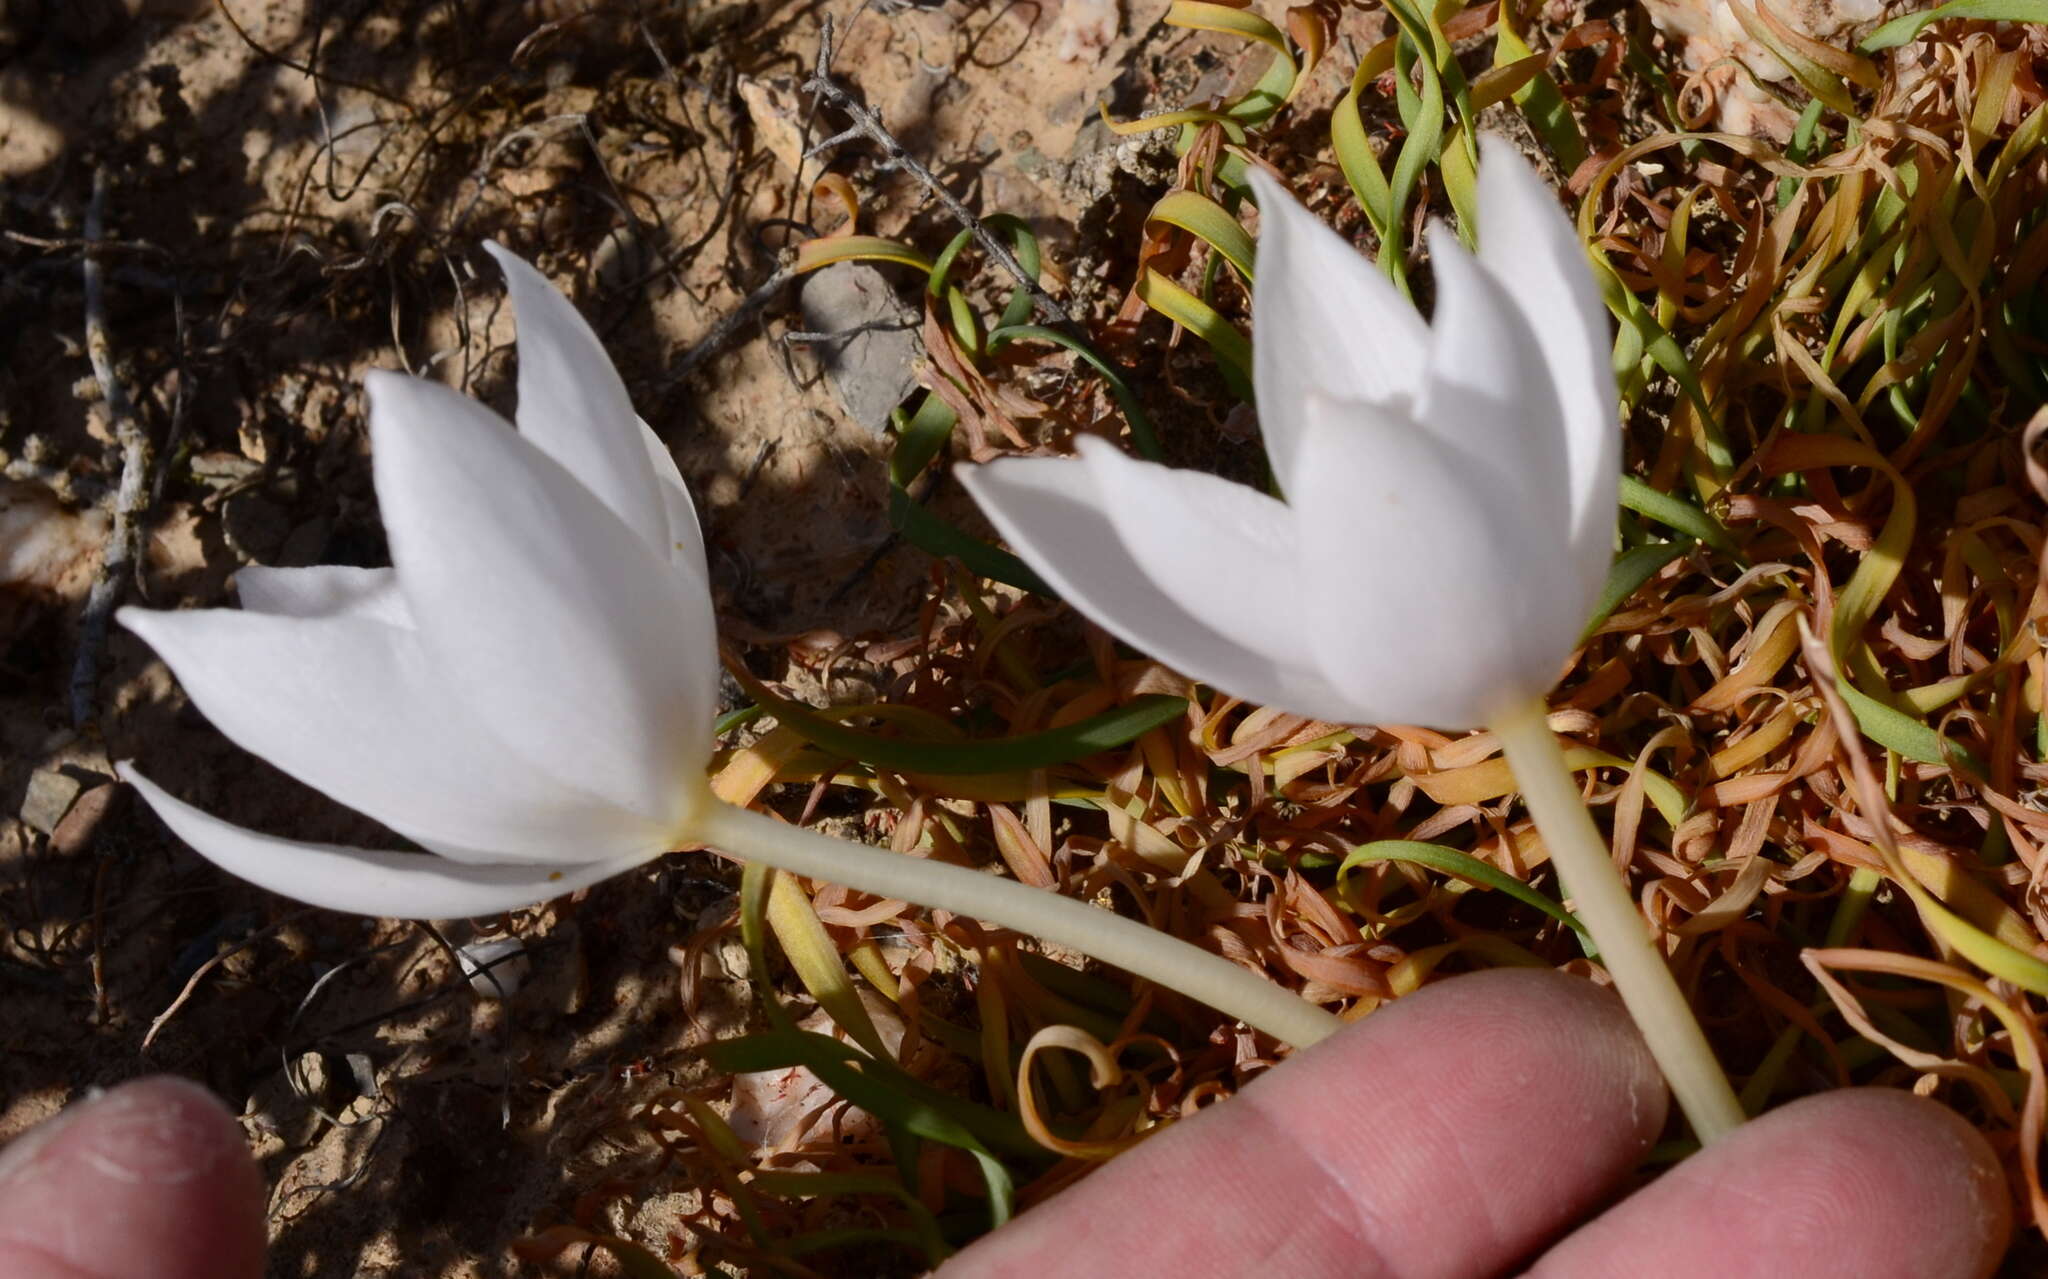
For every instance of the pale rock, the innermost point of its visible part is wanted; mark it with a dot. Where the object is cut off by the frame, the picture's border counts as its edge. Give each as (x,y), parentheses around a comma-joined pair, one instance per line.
(874,366)
(49,797)
(773,1109)
(1086,28)
(777,108)
(1717,47)
(45,547)
(496,967)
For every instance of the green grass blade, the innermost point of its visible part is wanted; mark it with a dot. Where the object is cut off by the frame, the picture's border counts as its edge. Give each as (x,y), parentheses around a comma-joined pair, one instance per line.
(1907,28)
(1675,513)
(1630,570)
(933,535)
(1143,436)
(1449,861)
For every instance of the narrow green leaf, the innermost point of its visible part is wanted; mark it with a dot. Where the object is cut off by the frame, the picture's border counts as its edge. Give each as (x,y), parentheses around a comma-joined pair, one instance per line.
(942,266)
(733,719)
(1895,730)
(813,254)
(1423,115)
(1669,356)
(1907,28)
(1675,513)
(1202,217)
(1276,85)
(920,438)
(1449,861)
(1201,319)
(1024,243)
(932,534)
(1801,149)
(1630,570)
(1541,103)
(1142,435)
(895,1098)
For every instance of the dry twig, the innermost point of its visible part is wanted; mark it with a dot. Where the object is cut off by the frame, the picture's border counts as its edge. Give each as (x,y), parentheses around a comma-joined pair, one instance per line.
(125,535)
(869,125)
(721,333)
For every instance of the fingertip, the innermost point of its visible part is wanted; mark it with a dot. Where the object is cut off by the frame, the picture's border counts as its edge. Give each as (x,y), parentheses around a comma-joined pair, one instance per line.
(1869,1182)
(1452,1132)
(1930,1187)
(151,1177)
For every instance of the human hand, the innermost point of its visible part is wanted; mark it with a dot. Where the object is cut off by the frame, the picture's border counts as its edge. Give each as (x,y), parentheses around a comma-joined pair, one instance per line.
(150,1180)
(1455,1133)
(1472,1129)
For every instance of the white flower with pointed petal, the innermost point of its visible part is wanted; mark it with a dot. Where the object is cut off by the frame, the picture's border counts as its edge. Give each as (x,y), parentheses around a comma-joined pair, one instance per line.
(526,692)
(1450,488)
(1448,524)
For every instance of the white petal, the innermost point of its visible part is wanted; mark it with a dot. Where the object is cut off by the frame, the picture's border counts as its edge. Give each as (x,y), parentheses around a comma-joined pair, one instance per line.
(685,543)
(1531,247)
(1223,552)
(1323,319)
(353,709)
(326,590)
(573,404)
(1055,514)
(1428,603)
(581,648)
(368,881)
(1489,395)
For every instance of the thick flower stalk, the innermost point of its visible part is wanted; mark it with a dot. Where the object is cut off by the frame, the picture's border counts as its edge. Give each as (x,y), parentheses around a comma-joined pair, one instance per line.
(1446,524)
(527,693)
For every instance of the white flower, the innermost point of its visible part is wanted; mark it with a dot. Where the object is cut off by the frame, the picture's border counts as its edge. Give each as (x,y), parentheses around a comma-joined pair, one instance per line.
(527,692)
(1449,488)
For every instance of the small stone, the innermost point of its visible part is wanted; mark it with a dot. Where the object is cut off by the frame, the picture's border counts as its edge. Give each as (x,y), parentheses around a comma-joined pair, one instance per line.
(254,441)
(49,797)
(361,1110)
(1086,28)
(44,546)
(620,261)
(872,367)
(309,1075)
(73,833)
(777,109)
(220,469)
(496,967)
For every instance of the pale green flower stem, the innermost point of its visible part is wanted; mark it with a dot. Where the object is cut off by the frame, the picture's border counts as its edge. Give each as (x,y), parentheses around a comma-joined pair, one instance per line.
(1123,943)
(1602,903)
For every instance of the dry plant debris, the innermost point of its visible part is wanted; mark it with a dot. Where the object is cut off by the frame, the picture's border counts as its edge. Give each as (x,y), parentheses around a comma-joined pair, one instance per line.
(1832,348)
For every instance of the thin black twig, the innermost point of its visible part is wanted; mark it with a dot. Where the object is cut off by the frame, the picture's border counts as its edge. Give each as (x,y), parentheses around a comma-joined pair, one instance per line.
(752,304)
(867,124)
(122,540)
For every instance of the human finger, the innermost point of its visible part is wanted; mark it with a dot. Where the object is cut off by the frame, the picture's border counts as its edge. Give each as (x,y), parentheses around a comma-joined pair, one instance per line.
(1865,1184)
(150,1178)
(1449,1134)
